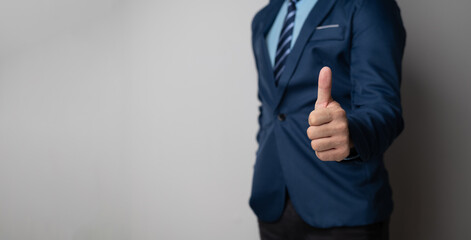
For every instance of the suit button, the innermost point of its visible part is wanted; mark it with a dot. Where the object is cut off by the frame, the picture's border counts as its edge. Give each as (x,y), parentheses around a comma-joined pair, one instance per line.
(281,117)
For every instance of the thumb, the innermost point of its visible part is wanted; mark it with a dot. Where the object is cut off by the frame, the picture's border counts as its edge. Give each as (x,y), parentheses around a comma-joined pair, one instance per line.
(324,87)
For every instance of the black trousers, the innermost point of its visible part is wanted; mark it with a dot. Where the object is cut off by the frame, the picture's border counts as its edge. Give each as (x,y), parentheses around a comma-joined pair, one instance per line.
(292,227)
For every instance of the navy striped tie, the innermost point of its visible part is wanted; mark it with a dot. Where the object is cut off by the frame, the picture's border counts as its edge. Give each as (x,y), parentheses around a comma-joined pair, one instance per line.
(284,43)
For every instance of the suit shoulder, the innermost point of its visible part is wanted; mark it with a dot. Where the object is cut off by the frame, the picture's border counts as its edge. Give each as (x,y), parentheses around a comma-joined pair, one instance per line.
(376,5)
(380,11)
(259,15)
(382,17)
(368,5)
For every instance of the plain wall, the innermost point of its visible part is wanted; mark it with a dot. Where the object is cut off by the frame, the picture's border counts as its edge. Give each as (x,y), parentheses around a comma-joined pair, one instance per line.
(133,119)
(430,163)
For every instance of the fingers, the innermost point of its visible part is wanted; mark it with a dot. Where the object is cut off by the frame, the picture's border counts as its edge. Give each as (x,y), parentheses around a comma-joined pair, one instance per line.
(324,88)
(320,116)
(336,154)
(323,144)
(327,143)
(315,132)
(325,115)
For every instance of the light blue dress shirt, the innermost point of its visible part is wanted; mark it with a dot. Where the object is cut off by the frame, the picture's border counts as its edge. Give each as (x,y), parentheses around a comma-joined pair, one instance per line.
(303,7)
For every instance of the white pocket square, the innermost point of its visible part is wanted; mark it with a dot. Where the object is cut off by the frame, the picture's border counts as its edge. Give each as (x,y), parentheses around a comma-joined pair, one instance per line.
(328,26)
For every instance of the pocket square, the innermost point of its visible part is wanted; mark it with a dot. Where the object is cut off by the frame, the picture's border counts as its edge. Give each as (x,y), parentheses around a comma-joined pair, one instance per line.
(327,26)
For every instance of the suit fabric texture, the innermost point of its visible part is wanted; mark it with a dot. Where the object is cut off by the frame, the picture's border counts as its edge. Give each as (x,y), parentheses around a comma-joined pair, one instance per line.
(362,41)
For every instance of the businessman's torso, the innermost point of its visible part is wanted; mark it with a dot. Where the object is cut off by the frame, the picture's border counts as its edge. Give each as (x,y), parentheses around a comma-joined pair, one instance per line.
(284,157)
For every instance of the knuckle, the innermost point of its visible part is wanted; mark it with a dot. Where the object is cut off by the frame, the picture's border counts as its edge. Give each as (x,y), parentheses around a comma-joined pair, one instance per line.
(341,113)
(344,140)
(311,119)
(343,125)
(310,132)
(337,128)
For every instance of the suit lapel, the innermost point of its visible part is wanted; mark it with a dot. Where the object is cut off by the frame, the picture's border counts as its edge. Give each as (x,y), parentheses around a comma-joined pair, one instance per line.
(317,14)
(268,86)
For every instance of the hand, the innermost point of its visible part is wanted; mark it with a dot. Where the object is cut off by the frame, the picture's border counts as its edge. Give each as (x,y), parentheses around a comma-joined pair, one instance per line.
(328,129)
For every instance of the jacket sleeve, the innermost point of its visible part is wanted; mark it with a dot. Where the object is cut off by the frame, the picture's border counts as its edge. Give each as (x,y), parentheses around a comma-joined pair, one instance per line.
(254,25)
(378,41)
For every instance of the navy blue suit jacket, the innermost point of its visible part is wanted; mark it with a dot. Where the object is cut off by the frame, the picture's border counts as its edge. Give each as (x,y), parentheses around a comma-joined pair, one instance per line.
(364,52)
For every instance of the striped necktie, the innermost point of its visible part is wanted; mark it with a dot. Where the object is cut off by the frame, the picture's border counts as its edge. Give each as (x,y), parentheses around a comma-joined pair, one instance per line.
(284,43)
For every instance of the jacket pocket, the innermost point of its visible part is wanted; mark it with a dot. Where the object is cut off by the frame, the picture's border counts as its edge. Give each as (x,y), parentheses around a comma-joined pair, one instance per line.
(328,32)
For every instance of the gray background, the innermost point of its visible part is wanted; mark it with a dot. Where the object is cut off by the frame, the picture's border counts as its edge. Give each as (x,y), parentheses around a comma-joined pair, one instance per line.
(133,119)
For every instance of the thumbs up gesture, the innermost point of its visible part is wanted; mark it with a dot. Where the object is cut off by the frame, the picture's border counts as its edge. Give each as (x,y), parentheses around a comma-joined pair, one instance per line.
(328,125)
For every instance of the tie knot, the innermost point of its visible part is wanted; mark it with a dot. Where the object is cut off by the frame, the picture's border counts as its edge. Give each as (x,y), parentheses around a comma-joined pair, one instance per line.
(293,1)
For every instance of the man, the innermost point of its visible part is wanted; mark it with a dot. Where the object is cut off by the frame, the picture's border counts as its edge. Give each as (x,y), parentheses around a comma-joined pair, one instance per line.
(319,171)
